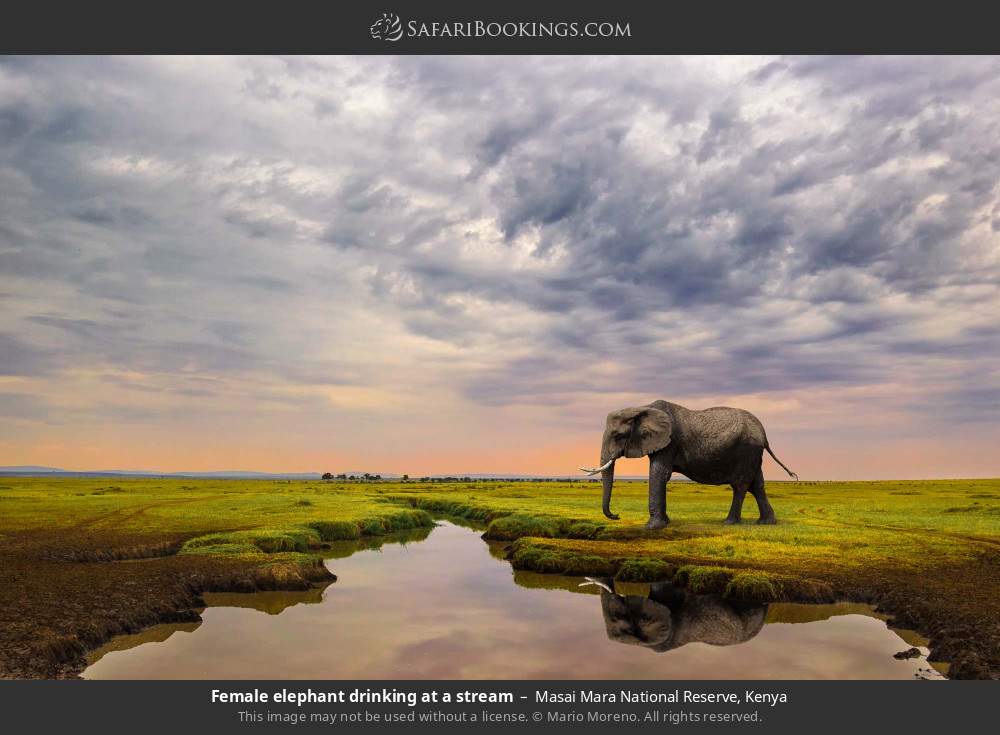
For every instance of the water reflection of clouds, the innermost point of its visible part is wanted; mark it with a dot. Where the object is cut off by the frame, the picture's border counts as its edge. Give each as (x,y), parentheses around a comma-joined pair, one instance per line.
(445,608)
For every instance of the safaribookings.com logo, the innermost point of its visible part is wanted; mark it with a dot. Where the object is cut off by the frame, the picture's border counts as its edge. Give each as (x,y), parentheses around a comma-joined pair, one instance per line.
(390,28)
(387,28)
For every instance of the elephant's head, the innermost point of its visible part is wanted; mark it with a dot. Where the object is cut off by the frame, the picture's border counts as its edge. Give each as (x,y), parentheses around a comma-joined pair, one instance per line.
(630,432)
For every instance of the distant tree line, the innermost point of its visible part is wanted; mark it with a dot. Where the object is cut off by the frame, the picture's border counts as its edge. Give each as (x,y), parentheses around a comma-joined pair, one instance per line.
(367,477)
(502,479)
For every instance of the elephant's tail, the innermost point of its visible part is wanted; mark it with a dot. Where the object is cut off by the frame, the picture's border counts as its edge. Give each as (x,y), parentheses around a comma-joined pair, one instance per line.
(790,473)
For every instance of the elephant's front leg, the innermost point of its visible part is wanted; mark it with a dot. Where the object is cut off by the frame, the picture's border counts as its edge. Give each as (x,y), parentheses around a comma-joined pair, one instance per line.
(659,473)
(736,508)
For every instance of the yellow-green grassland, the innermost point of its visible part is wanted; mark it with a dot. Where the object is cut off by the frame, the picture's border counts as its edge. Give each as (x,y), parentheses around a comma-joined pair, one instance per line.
(83,559)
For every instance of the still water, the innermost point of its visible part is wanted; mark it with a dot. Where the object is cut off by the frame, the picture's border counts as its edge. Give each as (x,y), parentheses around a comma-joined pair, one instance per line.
(446,605)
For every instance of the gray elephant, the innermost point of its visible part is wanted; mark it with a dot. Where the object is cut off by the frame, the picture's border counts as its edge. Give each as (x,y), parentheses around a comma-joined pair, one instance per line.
(717,446)
(671,617)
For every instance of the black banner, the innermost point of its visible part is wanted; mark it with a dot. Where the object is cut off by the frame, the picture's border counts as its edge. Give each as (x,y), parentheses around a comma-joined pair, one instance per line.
(446,26)
(495,706)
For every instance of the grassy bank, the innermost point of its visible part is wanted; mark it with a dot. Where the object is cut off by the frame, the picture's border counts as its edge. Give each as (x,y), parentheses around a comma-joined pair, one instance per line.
(928,552)
(82,559)
(218,517)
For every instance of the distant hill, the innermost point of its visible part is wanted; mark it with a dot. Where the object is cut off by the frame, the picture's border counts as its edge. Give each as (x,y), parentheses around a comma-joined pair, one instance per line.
(32,470)
(28,468)
(35,470)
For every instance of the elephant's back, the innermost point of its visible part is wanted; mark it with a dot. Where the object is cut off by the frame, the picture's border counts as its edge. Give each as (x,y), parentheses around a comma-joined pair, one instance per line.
(722,427)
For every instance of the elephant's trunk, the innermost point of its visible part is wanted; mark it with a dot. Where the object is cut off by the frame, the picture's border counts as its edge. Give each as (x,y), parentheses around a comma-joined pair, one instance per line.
(608,479)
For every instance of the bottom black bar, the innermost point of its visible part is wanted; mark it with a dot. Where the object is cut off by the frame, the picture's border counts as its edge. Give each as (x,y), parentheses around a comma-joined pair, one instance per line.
(495,706)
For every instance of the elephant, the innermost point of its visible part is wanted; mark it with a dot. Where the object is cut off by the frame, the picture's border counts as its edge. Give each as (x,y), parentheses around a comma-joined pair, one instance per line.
(671,617)
(716,446)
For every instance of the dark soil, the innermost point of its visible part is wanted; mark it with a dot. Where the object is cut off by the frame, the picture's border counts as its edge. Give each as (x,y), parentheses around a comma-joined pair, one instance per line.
(61,597)
(957,608)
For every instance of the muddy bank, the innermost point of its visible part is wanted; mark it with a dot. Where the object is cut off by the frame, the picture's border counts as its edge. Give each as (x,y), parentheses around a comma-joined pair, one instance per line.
(58,601)
(956,607)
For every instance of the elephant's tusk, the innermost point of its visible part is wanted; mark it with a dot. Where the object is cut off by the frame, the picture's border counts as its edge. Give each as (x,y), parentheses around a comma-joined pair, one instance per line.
(595,470)
(597,582)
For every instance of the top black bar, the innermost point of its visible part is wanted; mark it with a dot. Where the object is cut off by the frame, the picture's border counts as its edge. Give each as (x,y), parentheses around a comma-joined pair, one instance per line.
(449,27)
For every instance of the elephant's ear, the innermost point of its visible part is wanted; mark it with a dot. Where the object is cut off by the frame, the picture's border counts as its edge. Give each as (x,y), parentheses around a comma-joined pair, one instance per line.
(650,433)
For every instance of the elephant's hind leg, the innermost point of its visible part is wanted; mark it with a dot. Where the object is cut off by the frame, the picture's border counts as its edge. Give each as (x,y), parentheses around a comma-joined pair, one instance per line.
(763,504)
(736,509)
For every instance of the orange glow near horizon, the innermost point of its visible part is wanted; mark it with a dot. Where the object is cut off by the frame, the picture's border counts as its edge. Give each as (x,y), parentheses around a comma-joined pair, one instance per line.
(850,433)
(911,459)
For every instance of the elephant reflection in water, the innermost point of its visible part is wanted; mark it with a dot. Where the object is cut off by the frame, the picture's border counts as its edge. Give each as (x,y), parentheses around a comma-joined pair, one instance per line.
(671,617)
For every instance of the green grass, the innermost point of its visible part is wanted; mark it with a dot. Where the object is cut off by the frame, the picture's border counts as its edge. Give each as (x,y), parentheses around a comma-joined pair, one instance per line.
(249,519)
(704,579)
(645,570)
(754,585)
(927,550)
(914,525)
(826,530)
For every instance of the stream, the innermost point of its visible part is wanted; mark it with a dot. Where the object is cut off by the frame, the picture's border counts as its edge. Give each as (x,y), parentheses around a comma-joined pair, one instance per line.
(445,605)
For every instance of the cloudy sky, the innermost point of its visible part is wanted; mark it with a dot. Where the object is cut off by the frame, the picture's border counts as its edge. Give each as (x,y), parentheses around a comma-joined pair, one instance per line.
(444,264)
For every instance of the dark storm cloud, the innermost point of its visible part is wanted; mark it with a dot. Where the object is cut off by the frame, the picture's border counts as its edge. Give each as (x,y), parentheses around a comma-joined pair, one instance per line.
(846,189)
(259,227)
(562,227)
(269,283)
(99,213)
(503,137)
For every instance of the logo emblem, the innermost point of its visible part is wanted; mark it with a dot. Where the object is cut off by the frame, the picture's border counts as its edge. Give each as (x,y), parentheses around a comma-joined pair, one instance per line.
(387,28)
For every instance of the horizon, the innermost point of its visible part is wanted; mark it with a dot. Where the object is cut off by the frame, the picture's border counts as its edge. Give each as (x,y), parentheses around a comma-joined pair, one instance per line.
(40,471)
(422,262)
